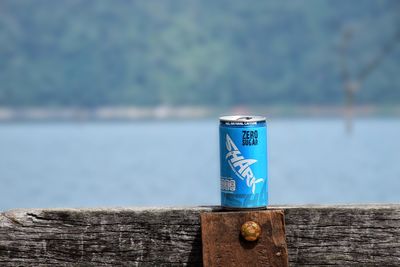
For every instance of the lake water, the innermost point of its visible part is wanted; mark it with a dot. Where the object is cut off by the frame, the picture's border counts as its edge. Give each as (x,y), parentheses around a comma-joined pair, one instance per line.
(169,163)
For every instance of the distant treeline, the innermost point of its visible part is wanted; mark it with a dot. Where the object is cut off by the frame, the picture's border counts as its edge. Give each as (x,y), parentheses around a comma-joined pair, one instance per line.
(209,52)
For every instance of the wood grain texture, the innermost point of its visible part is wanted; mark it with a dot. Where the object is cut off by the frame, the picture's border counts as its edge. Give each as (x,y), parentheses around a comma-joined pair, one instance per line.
(223,245)
(316,236)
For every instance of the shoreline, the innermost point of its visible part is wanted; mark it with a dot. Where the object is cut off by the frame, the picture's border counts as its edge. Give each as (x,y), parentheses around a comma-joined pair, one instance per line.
(188,112)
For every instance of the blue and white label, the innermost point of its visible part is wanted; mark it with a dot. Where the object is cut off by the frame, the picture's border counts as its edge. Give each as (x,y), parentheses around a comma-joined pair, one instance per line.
(243,156)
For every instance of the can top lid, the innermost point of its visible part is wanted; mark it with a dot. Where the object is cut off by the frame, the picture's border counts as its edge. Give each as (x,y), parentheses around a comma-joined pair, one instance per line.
(242,118)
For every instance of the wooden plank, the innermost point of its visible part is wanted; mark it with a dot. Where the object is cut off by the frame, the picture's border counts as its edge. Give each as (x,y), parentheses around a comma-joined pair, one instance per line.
(223,245)
(316,235)
(344,235)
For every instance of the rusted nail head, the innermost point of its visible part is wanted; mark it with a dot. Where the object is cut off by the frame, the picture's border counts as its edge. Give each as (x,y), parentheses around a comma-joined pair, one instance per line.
(250,231)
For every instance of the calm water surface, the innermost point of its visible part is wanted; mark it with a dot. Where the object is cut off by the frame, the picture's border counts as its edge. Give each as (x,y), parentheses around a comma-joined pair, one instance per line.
(176,163)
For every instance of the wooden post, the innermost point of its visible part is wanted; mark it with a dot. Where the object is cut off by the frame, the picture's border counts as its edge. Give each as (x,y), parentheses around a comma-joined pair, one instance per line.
(223,244)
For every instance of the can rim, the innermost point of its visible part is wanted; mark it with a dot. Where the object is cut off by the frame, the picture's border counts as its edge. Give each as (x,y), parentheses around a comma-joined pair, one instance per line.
(242,118)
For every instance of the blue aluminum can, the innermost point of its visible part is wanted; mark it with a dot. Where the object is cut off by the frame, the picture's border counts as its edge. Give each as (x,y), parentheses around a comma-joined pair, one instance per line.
(243,162)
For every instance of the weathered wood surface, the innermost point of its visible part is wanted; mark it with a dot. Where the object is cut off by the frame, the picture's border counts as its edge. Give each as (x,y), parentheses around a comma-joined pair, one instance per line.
(223,245)
(316,235)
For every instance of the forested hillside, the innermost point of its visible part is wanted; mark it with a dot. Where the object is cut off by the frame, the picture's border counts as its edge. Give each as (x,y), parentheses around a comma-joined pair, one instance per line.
(111,53)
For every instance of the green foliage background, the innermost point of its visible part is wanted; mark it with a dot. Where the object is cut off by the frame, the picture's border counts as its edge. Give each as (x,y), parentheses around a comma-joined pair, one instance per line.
(182,52)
